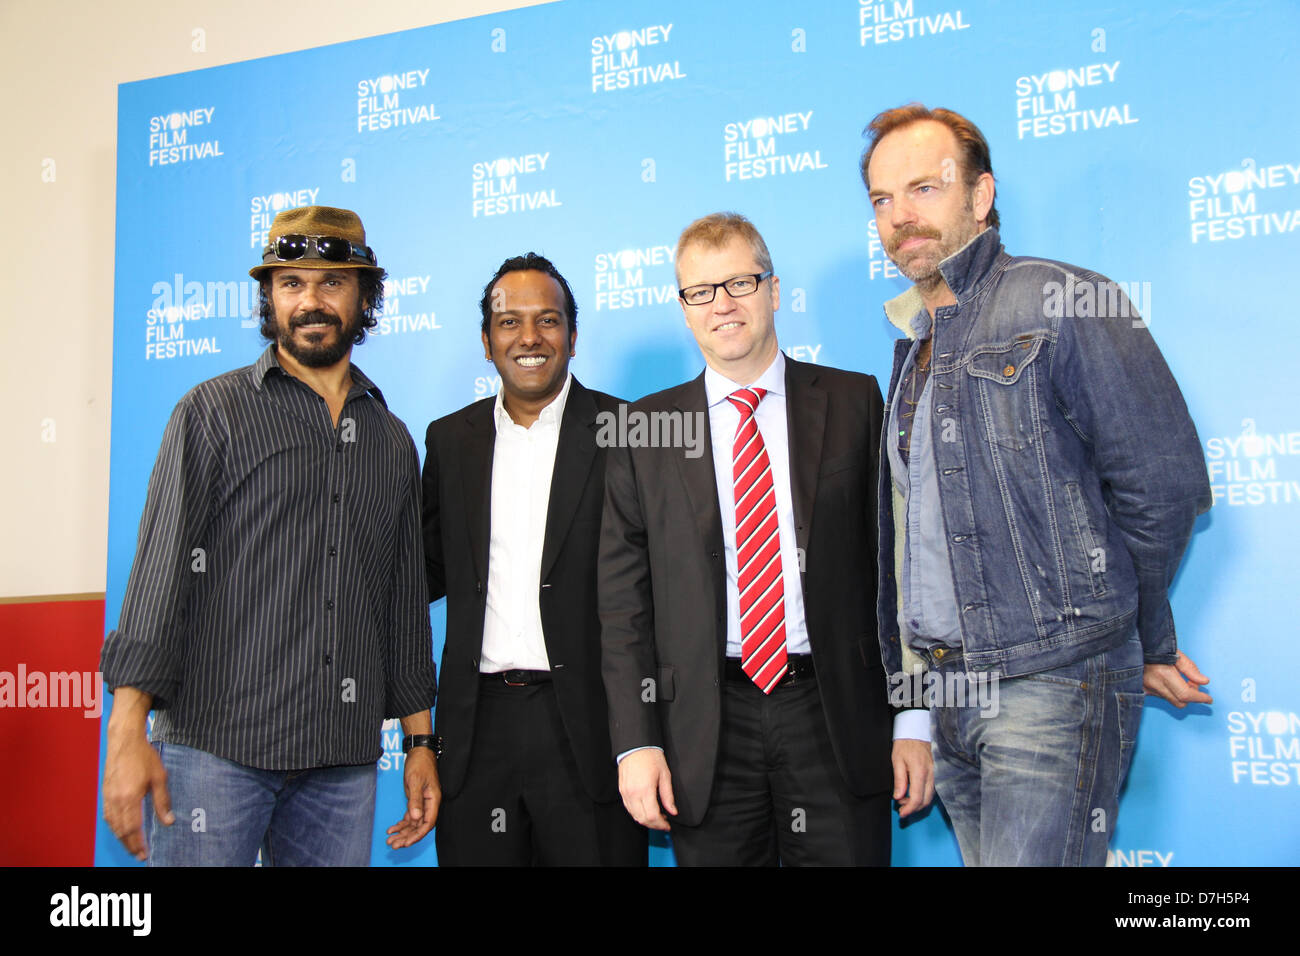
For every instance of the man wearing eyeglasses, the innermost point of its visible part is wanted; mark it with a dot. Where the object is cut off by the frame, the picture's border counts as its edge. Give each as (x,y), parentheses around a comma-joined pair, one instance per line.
(276,611)
(748,703)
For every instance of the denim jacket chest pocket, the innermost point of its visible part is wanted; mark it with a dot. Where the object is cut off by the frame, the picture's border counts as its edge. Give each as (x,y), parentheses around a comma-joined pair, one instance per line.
(1007,380)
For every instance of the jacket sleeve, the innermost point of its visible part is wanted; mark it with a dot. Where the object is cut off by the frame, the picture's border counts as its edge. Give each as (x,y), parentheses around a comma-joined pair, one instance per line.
(625,602)
(431,519)
(1113,386)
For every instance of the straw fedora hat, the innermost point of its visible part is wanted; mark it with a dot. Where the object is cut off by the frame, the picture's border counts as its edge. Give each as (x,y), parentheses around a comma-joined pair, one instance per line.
(316,237)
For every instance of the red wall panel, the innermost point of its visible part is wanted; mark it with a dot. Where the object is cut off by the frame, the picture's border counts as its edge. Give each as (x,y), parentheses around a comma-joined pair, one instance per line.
(49,754)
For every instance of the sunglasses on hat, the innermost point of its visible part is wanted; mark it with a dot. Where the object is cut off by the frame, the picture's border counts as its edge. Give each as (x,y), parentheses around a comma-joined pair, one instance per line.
(329,248)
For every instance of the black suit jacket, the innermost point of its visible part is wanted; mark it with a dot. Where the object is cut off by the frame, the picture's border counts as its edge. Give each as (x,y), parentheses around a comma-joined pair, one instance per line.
(457,515)
(662,584)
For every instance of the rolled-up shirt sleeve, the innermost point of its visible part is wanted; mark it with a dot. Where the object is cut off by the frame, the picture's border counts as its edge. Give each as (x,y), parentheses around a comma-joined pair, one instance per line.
(146,651)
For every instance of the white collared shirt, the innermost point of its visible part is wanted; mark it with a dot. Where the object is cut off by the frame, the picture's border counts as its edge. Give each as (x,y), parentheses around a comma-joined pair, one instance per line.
(523,461)
(771,418)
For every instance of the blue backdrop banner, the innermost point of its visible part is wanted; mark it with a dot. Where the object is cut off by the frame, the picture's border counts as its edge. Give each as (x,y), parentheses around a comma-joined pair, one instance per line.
(1154,143)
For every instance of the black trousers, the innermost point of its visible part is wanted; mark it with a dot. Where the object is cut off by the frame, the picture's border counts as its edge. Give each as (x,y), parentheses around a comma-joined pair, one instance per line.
(778,796)
(523,803)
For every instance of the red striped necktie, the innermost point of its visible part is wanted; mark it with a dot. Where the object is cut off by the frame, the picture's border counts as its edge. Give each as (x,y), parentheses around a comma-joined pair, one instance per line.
(758,550)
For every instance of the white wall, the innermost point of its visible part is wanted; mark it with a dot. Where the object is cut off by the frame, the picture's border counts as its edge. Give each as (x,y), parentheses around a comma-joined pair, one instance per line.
(60,63)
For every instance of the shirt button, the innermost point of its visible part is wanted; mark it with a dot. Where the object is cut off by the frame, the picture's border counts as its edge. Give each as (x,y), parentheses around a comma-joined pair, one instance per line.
(337,497)
(332,551)
(328,660)
(329,605)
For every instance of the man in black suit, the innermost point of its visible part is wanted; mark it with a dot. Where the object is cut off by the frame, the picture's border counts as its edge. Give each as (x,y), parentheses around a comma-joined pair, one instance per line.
(513,488)
(737,594)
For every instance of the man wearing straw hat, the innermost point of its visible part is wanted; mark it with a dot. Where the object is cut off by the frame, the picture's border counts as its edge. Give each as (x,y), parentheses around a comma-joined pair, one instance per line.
(276,612)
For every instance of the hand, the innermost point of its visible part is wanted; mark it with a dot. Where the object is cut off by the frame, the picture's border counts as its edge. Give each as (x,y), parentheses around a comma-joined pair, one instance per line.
(913,775)
(132,768)
(1179,683)
(423,797)
(645,783)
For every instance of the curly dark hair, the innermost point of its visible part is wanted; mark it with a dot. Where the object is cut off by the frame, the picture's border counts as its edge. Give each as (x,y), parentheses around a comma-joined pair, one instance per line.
(369,281)
(531,262)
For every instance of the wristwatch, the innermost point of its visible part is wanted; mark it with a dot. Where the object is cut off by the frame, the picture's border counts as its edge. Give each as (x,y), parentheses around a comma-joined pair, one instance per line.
(432,741)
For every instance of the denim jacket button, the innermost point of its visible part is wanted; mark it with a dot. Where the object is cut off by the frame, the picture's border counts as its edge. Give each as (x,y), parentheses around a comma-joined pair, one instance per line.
(1009,371)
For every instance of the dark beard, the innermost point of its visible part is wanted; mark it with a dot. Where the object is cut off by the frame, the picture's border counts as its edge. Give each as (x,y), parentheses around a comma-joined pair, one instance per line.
(319,355)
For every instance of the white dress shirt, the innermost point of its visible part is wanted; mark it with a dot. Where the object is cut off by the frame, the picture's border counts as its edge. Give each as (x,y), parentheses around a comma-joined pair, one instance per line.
(523,461)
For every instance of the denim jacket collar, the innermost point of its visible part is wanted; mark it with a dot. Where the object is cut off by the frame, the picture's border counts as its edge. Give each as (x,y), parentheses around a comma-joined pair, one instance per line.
(964,271)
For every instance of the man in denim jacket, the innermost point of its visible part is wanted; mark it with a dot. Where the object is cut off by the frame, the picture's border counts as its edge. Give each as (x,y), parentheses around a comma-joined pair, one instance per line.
(1040,477)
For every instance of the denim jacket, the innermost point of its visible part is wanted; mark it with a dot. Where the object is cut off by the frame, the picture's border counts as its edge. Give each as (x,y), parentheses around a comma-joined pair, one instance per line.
(1070,473)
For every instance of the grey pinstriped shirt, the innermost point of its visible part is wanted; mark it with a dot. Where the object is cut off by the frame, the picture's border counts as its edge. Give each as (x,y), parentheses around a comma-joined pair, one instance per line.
(277,607)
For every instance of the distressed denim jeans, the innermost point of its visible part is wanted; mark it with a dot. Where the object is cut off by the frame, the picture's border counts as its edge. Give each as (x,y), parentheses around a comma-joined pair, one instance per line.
(226,811)
(1037,783)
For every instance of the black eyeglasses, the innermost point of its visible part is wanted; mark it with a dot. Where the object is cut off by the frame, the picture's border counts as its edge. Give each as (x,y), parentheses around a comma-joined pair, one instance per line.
(329,248)
(736,287)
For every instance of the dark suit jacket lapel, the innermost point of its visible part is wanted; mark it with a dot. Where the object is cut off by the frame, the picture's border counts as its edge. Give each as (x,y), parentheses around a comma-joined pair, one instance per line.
(574,455)
(805,411)
(702,491)
(478,442)
(697,473)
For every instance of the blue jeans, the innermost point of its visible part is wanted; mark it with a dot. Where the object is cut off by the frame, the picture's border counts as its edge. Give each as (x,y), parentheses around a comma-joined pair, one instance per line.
(1037,783)
(226,811)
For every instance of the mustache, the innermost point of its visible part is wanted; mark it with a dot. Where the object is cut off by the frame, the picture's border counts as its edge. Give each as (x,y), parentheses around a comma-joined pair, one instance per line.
(313,318)
(911,232)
